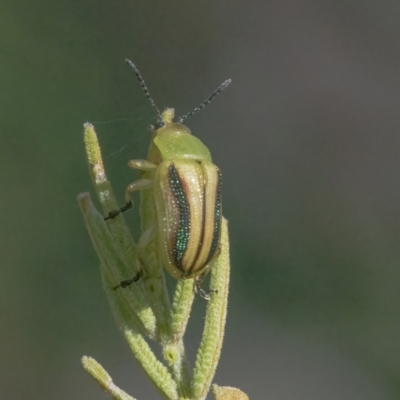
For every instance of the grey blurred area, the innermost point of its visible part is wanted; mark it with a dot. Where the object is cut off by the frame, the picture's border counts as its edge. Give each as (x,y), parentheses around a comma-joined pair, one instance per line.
(307,137)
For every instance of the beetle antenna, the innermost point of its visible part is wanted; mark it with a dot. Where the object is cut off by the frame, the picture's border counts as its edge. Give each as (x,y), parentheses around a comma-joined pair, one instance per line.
(207,101)
(144,87)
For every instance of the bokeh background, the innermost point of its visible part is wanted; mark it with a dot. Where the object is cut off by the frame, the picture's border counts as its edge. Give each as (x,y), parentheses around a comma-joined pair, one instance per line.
(307,137)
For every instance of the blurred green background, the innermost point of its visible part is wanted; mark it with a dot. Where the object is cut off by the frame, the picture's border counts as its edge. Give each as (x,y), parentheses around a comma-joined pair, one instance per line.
(307,138)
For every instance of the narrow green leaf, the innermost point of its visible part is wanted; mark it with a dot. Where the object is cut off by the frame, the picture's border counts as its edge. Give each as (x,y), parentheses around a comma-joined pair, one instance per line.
(101,376)
(133,300)
(228,393)
(213,333)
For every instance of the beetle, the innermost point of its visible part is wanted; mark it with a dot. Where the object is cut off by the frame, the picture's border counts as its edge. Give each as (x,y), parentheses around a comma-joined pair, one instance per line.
(186,193)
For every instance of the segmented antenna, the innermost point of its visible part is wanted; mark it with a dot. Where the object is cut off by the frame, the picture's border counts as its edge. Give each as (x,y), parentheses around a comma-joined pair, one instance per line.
(144,87)
(206,101)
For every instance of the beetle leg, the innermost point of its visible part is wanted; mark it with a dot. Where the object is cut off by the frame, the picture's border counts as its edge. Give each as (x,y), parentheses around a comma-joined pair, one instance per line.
(140,184)
(148,236)
(142,165)
(200,291)
(127,282)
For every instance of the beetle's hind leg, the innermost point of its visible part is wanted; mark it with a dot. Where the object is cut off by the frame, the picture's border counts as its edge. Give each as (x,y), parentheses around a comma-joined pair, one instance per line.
(200,291)
(140,184)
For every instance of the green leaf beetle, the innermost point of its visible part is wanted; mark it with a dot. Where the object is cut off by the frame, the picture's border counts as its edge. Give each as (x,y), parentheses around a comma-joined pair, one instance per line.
(186,193)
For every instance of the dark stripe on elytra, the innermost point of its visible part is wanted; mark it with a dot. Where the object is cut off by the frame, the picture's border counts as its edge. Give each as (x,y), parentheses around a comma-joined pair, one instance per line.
(203,232)
(183,233)
(217,218)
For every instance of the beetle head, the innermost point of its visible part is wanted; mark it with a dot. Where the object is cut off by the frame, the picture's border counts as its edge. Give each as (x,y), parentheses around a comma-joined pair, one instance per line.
(175,141)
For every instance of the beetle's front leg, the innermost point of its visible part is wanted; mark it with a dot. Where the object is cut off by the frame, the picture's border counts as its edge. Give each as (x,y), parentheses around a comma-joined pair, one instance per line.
(141,184)
(127,282)
(142,165)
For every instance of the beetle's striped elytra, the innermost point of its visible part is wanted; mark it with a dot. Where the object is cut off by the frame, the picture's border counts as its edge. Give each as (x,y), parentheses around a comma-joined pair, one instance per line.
(186,196)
